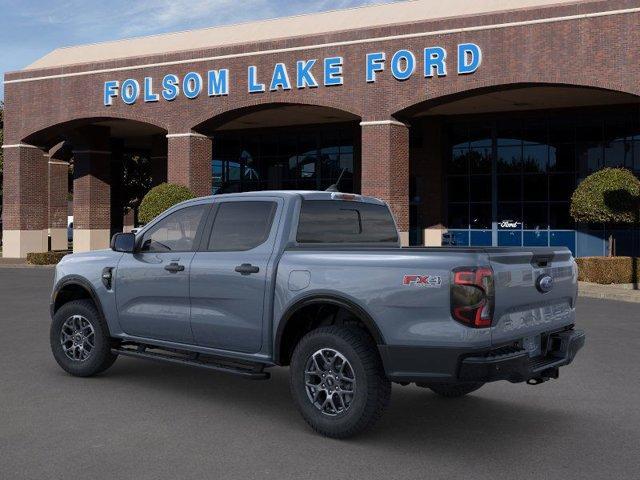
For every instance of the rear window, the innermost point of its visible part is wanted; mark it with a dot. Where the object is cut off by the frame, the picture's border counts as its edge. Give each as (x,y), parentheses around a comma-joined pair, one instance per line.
(336,221)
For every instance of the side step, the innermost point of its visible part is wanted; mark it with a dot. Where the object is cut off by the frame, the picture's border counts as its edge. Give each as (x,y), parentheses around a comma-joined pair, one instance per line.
(251,371)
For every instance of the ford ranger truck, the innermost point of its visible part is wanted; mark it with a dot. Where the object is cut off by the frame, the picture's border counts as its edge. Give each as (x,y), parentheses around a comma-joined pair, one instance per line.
(316,281)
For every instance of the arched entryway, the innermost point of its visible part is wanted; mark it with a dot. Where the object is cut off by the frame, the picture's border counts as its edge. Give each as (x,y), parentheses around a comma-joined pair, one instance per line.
(284,147)
(87,171)
(498,166)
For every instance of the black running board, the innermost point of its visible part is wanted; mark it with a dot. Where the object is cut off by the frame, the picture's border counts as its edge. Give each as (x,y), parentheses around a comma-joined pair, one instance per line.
(249,371)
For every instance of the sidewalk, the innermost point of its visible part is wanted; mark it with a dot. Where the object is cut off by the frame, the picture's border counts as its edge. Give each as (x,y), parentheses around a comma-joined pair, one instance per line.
(622,292)
(19,263)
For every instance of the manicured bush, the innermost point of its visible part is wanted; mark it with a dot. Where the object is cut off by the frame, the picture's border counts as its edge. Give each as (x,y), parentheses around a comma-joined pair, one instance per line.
(45,258)
(610,195)
(606,270)
(160,198)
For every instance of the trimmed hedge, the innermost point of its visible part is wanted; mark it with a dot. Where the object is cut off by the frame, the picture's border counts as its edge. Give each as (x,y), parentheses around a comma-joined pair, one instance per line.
(610,195)
(160,198)
(607,270)
(46,258)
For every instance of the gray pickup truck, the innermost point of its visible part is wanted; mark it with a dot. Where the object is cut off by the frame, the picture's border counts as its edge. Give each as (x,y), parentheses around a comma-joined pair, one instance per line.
(316,281)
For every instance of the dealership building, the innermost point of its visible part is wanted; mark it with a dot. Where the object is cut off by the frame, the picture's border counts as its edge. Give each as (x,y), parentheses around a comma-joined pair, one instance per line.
(471,118)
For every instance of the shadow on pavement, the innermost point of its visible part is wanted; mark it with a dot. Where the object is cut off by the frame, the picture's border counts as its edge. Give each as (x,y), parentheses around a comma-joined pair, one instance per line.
(416,416)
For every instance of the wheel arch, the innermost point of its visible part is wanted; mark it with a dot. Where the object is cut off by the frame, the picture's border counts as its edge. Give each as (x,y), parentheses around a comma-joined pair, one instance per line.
(287,320)
(74,287)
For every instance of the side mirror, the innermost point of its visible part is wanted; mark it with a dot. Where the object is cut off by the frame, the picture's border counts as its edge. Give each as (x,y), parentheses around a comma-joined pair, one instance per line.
(123,242)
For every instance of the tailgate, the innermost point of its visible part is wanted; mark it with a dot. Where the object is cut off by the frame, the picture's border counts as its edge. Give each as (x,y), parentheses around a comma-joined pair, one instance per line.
(535,292)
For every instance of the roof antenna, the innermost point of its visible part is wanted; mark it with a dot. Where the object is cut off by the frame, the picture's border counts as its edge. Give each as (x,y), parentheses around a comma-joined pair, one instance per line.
(334,187)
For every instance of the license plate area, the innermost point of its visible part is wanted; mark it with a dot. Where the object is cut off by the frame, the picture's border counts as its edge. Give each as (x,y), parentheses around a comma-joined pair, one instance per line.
(533,345)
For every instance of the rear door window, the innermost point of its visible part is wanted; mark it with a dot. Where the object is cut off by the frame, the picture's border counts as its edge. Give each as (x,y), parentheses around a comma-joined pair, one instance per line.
(240,226)
(336,221)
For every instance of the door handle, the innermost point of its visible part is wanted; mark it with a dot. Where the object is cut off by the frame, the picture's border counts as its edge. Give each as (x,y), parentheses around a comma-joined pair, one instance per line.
(174,268)
(247,269)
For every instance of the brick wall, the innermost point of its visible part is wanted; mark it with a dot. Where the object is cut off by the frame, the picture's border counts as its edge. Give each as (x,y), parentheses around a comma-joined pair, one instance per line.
(588,51)
(25,195)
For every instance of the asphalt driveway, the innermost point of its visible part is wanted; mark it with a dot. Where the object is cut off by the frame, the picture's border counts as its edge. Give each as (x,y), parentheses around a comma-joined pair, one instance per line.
(146,420)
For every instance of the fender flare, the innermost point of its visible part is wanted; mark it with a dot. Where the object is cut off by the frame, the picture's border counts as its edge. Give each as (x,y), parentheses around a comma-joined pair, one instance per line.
(326,298)
(80,281)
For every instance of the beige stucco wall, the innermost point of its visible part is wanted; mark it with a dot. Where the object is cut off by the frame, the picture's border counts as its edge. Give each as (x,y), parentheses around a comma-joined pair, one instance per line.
(17,243)
(87,240)
(300,25)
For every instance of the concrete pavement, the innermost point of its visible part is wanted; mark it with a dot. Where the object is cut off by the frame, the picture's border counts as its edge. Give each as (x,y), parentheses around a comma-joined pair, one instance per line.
(146,420)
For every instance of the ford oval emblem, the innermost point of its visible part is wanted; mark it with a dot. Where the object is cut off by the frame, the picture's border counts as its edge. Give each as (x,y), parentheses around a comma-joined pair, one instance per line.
(544,283)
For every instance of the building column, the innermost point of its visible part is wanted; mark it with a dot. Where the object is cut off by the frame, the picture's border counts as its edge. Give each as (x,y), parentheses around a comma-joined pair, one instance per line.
(58,190)
(92,190)
(24,201)
(385,168)
(189,161)
(426,164)
(158,160)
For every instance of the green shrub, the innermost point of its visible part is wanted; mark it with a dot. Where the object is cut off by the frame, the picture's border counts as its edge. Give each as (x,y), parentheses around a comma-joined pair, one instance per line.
(160,198)
(610,195)
(45,258)
(606,270)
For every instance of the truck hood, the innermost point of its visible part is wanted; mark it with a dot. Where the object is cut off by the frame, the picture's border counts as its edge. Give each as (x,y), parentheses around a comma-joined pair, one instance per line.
(93,256)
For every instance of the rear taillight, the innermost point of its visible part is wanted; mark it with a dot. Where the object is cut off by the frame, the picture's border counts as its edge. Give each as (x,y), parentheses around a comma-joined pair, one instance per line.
(472,296)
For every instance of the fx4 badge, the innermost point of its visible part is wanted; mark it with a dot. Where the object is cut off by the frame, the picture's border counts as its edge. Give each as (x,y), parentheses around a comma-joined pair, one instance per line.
(429,281)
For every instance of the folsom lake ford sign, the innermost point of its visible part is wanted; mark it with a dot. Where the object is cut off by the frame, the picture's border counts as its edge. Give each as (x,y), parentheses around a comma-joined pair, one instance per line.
(309,73)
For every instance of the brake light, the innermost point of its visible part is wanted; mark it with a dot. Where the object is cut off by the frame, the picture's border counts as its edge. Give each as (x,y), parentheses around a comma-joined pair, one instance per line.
(348,197)
(472,296)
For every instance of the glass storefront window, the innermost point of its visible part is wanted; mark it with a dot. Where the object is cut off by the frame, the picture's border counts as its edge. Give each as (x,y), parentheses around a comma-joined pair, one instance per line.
(509,158)
(305,158)
(535,160)
(480,217)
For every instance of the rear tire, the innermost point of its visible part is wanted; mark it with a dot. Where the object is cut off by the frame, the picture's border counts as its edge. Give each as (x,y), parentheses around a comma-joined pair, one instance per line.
(354,391)
(454,390)
(80,339)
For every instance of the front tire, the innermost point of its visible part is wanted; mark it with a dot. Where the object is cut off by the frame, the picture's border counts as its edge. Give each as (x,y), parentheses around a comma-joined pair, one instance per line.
(338,382)
(80,339)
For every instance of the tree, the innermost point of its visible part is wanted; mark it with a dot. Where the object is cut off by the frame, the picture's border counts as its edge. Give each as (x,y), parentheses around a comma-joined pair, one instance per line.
(608,196)
(136,182)
(162,197)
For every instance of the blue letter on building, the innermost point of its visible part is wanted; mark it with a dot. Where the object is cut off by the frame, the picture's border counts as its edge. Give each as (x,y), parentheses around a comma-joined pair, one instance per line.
(469,58)
(130,91)
(110,92)
(192,85)
(403,64)
(218,82)
(333,71)
(304,77)
(170,87)
(434,57)
(254,86)
(280,78)
(149,96)
(375,63)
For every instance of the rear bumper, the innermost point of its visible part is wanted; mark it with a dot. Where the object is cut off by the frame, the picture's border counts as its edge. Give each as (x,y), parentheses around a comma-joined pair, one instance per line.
(424,365)
(518,366)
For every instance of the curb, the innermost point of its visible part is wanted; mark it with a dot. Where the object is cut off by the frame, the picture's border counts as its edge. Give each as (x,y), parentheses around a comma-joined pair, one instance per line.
(608,292)
(25,266)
